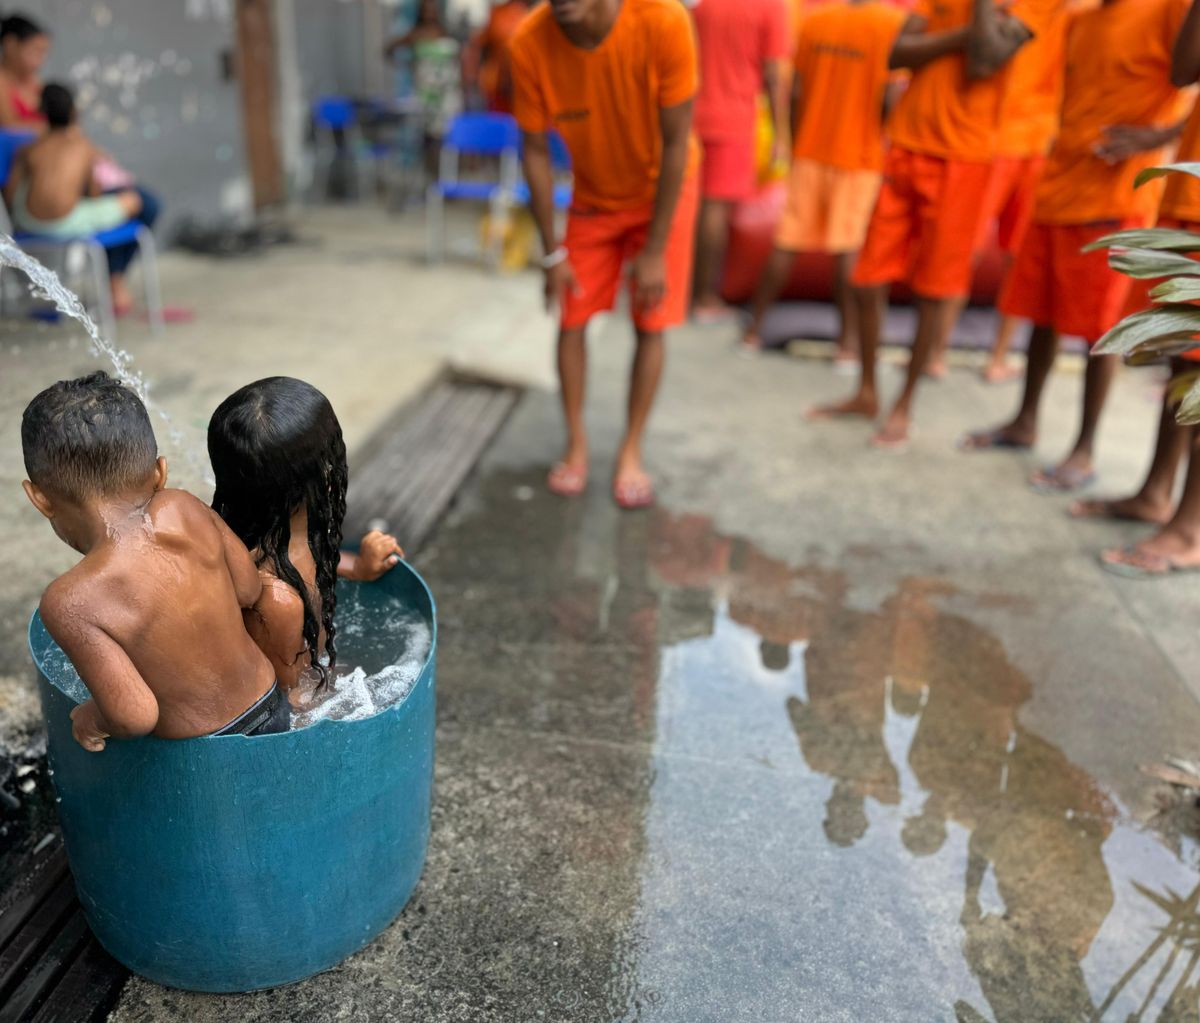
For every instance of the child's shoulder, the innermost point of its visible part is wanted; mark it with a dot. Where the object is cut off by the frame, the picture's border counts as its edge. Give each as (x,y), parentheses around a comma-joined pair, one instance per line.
(68,600)
(182,504)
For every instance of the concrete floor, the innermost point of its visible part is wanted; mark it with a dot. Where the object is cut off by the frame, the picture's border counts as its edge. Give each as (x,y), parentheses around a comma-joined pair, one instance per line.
(833,734)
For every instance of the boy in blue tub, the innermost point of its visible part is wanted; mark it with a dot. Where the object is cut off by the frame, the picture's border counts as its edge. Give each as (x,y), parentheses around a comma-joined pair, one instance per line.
(152,616)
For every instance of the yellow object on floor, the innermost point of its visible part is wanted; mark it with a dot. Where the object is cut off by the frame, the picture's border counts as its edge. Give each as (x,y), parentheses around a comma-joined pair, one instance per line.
(517,239)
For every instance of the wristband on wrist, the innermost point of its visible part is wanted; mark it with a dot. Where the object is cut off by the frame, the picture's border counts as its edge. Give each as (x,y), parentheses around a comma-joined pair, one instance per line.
(551,259)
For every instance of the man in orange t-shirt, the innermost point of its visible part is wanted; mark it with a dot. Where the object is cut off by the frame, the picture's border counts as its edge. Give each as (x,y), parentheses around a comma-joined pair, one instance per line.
(925,222)
(1118,60)
(616,78)
(839,88)
(743,48)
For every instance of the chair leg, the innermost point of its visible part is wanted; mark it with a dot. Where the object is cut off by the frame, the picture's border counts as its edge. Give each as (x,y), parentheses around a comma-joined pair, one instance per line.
(97,258)
(150,280)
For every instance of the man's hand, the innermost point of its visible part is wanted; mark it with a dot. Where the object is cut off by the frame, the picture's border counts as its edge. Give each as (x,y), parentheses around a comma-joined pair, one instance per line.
(377,554)
(1121,141)
(560,282)
(88,727)
(649,276)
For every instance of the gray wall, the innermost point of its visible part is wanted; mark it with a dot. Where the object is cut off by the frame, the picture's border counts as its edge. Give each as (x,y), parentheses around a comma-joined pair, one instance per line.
(148,75)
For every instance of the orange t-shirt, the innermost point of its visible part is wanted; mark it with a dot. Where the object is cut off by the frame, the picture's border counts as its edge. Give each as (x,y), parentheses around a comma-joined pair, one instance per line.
(605,102)
(1181,193)
(1033,98)
(736,38)
(842,71)
(495,74)
(1118,72)
(943,113)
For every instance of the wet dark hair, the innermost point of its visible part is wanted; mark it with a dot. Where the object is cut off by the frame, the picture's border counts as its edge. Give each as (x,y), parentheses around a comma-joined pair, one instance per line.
(276,446)
(87,437)
(57,104)
(21,28)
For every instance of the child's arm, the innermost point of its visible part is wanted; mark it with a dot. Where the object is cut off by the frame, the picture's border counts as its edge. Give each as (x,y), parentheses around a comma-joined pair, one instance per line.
(276,624)
(246,581)
(377,553)
(122,705)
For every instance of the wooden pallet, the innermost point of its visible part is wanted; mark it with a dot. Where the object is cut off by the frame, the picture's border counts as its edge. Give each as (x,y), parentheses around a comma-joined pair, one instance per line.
(51,968)
(409,473)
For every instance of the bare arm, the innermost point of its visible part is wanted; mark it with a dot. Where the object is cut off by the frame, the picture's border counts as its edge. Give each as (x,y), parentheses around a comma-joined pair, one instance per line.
(1185,61)
(377,553)
(1121,141)
(914,47)
(775,82)
(539,175)
(247,583)
(122,705)
(649,266)
(276,624)
(993,39)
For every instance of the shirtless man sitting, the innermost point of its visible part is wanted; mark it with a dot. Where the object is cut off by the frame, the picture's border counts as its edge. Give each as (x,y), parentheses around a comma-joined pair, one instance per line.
(52,190)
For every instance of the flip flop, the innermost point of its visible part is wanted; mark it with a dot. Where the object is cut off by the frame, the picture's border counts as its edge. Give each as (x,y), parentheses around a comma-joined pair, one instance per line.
(896,447)
(713,317)
(632,495)
(566,481)
(174,314)
(990,440)
(1051,481)
(1128,570)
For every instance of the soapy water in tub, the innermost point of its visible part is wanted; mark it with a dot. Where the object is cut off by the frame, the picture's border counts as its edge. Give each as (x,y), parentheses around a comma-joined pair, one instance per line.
(387,647)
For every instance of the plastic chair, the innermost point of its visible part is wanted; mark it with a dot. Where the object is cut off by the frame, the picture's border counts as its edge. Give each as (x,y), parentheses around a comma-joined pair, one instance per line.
(493,135)
(92,248)
(337,130)
(560,163)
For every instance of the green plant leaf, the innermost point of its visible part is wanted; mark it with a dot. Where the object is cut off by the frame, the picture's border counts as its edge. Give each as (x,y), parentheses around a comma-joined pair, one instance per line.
(1147,264)
(1177,289)
(1148,238)
(1151,330)
(1150,173)
(1179,386)
(1188,413)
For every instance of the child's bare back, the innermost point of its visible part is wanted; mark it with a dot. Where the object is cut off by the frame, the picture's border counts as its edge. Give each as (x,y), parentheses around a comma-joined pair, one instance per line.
(155,608)
(152,616)
(57,172)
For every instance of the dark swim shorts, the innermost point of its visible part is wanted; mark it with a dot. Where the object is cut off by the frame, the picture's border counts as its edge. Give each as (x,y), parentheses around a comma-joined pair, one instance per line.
(273,713)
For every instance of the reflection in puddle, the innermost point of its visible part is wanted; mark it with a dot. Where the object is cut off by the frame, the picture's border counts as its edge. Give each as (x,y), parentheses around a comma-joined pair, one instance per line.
(847,817)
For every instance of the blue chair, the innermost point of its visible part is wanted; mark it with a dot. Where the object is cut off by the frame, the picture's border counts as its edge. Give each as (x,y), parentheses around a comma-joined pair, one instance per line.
(560,162)
(474,134)
(337,131)
(93,248)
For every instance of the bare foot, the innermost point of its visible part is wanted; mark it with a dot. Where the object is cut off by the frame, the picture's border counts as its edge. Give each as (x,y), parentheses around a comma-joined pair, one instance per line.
(865,406)
(751,343)
(632,486)
(893,435)
(1166,552)
(937,368)
(845,362)
(566,479)
(710,312)
(1002,438)
(1073,473)
(1002,372)
(1125,509)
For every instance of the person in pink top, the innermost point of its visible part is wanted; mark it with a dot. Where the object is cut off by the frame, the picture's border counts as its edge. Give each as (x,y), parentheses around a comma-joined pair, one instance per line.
(744,47)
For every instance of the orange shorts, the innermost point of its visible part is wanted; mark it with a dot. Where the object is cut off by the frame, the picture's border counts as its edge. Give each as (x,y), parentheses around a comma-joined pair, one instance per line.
(600,243)
(1139,291)
(925,223)
(729,171)
(1055,285)
(827,208)
(1011,191)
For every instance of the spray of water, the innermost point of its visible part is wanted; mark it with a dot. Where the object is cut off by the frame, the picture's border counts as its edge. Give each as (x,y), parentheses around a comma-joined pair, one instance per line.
(45,285)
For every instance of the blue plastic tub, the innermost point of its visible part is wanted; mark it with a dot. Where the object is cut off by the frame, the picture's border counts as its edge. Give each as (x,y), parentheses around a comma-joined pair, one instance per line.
(232,864)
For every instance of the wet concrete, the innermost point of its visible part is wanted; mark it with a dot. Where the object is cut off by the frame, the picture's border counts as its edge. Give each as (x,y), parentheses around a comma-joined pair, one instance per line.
(684,779)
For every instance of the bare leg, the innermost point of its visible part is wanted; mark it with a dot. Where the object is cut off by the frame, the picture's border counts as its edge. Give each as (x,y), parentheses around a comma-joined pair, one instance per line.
(871,304)
(122,298)
(936,366)
(933,317)
(644,378)
(1154,502)
(847,342)
(997,370)
(1177,544)
(572,378)
(712,234)
(770,286)
(1076,469)
(1021,432)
